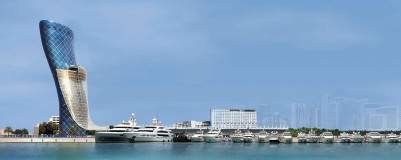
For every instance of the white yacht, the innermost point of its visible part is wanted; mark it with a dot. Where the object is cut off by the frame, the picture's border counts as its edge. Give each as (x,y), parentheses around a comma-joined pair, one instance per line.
(344,138)
(152,133)
(197,137)
(302,137)
(392,138)
(286,137)
(263,136)
(116,134)
(274,138)
(312,137)
(373,137)
(237,137)
(213,136)
(248,137)
(356,138)
(326,137)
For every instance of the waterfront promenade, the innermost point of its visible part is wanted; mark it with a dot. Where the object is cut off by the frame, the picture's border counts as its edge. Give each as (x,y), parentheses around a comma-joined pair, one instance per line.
(47,140)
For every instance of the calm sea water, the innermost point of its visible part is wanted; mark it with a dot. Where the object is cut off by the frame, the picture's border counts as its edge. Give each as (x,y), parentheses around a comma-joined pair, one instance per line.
(166,151)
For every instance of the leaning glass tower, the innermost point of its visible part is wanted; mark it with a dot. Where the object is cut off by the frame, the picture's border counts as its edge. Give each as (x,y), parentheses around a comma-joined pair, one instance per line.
(70,79)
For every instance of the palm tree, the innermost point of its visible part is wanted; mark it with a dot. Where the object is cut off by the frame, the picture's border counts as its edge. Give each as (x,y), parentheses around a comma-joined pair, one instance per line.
(8,130)
(25,131)
(73,130)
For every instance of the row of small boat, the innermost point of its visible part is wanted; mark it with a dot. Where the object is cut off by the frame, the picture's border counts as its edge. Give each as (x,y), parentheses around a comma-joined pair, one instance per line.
(262,137)
(355,137)
(215,135)
(328,137)
(371,137)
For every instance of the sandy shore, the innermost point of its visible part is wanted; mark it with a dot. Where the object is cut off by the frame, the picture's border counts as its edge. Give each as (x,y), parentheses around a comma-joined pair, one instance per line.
(47,140)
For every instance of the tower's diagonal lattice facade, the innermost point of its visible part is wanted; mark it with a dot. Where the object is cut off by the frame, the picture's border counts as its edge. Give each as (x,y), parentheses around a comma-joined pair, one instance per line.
(70,79)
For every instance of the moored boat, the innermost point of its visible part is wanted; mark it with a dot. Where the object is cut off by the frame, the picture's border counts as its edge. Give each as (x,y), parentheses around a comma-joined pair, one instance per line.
(262,137)
(248,137)
(116,134)
(286,137)
(197,137)
(312,137)
(392,138)
(356,138)
(344,138)
(237,137)
(326,137)
(373,137)
(274,137)
(181,138)
(213,136)
(152,133)
(302,137)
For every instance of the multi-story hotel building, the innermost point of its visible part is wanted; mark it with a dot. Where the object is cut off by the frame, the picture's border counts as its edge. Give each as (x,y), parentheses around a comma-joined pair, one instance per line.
(233,118)
(55,119)
(70,79)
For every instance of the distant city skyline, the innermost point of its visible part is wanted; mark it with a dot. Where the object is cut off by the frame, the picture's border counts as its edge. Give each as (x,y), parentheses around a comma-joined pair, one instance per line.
(337,112)
(178,60)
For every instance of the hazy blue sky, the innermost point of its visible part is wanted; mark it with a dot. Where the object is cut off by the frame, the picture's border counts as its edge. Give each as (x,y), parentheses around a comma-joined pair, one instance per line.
(181,58)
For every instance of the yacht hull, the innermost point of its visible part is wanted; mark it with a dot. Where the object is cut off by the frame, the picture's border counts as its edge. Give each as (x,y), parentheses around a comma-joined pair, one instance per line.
(212,139)
(326,140)
(312,140)
(133,138)
(344,140)
(274,140)
(150,139)
(262,140)
(181,139)
(356,140)
(286,140)
(197,139)
(237,140)
(374,140)
(392,140)
(302,140)
(248,140)
(110,137)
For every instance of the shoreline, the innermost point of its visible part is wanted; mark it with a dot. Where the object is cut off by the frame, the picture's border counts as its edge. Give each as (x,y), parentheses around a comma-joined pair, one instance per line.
(47,140)
(63,140)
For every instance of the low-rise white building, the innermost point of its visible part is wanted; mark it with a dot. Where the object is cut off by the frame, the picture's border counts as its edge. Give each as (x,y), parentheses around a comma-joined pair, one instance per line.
(233,118)
(192,124)
(36,129)
(54,119)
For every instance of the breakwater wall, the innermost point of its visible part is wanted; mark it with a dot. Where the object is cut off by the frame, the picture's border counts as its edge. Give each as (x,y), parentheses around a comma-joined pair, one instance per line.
(47,140)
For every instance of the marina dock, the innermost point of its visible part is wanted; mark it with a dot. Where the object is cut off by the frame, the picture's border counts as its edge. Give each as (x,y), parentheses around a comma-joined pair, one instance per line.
(227,131)
(76,140)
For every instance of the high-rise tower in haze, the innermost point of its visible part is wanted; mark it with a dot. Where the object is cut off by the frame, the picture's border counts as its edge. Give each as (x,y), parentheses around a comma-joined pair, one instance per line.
(299,115)
(70,79)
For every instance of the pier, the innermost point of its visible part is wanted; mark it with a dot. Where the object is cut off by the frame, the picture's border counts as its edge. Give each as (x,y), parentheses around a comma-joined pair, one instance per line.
(47,140)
